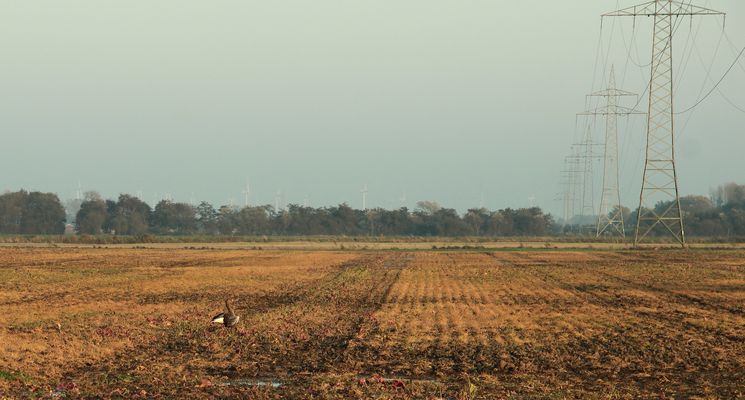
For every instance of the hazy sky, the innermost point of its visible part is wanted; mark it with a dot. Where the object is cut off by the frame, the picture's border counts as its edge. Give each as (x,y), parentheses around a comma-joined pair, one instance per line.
(442,100)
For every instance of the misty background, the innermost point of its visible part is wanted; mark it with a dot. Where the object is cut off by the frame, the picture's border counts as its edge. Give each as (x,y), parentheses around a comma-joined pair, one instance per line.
(441,100)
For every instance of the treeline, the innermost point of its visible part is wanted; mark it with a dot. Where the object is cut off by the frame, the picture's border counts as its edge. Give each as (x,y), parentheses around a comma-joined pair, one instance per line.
(130,216)
(722,214)
(31,213)
(25,213)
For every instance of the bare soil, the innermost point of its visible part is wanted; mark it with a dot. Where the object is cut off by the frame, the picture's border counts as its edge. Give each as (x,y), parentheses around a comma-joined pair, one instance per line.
(484,324)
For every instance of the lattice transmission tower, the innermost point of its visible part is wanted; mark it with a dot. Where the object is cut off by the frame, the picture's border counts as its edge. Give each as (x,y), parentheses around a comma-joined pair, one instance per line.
(659,200)
(582,158)
(571,179)
(610,217)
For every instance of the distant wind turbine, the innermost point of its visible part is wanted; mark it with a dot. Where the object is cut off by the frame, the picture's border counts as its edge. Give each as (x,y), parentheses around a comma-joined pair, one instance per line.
(364,197)
(247,192)
(276,200)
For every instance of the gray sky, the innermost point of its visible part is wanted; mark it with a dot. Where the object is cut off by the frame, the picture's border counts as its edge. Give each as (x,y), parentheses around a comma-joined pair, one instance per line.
(441,99)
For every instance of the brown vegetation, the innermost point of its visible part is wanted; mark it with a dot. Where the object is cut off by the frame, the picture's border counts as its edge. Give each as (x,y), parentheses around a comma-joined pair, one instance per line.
(134,323)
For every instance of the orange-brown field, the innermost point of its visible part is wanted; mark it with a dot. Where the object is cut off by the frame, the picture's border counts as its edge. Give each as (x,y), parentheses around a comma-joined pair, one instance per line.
(135,323)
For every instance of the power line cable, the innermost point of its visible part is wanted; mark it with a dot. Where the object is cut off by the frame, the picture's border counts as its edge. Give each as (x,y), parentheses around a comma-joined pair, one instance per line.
(734,49)
(597,60)
(649,83)
(741,63)
(685,60)
(631,46)
(730,102)
(610,46)
(707,69)
(737,59)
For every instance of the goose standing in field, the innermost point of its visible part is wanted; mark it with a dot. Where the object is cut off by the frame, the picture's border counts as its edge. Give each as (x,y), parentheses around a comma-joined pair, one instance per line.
(227,318)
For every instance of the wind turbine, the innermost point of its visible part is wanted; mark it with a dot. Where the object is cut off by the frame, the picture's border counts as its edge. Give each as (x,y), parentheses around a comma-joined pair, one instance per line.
(403,199)
(247,192)
(531,200)
(79,192)
(364,197)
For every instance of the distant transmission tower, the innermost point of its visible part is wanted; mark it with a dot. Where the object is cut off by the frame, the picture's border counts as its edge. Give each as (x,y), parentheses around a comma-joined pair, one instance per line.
(563,196)
(571,178)
(659,200)
(610,217)
(587,156)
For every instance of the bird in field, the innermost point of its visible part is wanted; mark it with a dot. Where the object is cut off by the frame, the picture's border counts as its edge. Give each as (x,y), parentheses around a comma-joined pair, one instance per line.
(227,318)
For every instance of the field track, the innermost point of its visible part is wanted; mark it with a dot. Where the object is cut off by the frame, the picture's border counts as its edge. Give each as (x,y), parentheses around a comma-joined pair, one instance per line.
(134,323)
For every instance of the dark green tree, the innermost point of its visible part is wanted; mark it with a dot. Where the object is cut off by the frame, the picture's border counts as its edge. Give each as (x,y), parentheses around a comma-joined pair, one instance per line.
(226,223)
(476,220)
(252,220)
(394,222)
(11,211)
(43,213)
(346,220)
(174,218)
(207,218)
(128,216)
(92,215)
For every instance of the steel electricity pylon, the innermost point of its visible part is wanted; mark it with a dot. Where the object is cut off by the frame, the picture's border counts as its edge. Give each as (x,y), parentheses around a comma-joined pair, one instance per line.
(571,179)
(585,153)
(610,216)
(659,200)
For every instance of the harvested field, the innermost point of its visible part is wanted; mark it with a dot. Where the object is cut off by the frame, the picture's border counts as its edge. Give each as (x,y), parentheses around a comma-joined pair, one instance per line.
(134,323)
